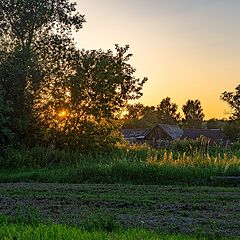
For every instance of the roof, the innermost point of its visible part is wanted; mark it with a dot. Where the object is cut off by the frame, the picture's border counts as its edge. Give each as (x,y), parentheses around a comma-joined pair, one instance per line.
(139,133)
(213,134)
(173,131)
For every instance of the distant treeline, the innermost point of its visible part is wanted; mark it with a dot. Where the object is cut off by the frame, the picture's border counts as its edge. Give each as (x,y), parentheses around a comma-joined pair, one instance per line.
(140,116)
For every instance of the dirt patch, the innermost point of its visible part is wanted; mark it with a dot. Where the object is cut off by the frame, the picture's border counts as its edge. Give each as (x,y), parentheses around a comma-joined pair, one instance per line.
(175,209)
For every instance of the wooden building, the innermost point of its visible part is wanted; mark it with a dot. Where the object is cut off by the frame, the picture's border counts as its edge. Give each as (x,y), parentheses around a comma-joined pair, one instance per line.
(163,133)
(135,135)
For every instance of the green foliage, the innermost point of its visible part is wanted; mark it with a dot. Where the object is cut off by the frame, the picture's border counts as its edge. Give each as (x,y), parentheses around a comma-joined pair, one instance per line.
(27,26)
(140,116)
(232,130)
(99,89)
(6,134)
(100,221)
(60,96)
(135,111)
(26,215)
(186,163)
(193,114)
(214,123)
(25,20)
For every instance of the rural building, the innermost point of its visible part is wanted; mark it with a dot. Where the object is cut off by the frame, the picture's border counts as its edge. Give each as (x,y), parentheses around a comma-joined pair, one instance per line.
(164,132)
(135,135)
(215,135)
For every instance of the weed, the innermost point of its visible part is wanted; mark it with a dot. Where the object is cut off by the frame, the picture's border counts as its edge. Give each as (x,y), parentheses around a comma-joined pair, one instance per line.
(100,221)
(27,214)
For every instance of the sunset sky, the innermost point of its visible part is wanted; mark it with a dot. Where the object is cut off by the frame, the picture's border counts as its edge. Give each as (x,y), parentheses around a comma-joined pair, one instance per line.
(189,49)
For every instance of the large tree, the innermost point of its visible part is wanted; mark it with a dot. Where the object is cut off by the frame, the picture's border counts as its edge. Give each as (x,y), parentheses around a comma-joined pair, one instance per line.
(167,112)
(233,100)
(214,123)
(6,134)
(25,27)
(85,107)
(232,127)
(193,114)
(140,116)
(58,93)
(134,111)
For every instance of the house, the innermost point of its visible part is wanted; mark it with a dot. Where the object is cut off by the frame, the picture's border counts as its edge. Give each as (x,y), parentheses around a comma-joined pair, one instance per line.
(214,135)
(135,135)
(163,132)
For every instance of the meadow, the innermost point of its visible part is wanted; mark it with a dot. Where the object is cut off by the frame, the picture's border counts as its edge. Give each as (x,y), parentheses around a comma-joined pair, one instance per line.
(130,192)
(185,162)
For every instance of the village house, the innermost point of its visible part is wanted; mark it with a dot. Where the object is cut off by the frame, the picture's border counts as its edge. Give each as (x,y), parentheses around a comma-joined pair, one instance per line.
(161,132)
(164,133)
(135,135)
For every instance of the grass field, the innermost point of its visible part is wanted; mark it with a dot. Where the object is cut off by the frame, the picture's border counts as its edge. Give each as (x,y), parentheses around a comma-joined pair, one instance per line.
(195,211)
(137,164)
(126,173)
(54,232)
(133,193)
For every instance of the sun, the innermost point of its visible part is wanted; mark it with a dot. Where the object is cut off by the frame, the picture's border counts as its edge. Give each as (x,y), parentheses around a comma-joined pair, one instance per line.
(62,113)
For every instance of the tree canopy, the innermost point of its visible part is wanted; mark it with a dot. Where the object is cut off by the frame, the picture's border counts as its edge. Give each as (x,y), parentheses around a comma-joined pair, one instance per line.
(193,114)
(167,112)
(232,128)
(233,100)
(56,92)
(100,87)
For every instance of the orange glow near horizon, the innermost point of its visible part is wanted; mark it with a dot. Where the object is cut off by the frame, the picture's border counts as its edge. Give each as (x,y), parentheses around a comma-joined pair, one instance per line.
(188,49)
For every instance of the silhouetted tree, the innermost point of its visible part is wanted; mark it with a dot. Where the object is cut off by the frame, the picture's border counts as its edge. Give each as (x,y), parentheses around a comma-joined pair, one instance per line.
(214,123)
(167,112)
(83,112)
(135,111)
(233,100)
(140,116)
(34,38)
(6,134)
(193,114)
(150,116)
(232,130)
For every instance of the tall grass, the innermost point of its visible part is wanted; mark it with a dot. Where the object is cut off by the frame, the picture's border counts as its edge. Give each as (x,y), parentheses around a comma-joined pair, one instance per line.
(136,164)
(182,153)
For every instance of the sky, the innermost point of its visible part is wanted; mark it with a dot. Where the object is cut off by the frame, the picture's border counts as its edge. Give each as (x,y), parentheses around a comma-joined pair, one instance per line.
(188,49)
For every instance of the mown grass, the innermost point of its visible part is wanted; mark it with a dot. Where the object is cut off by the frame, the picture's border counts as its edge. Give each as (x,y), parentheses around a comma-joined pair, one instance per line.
(61,232)
(32,228)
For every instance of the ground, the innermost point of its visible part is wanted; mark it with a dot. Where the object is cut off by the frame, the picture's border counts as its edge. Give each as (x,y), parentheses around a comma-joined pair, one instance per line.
(210,210)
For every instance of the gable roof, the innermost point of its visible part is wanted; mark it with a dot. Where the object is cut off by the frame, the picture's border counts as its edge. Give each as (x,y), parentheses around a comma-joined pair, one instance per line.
(139,133)
(173,131)
(213,134)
